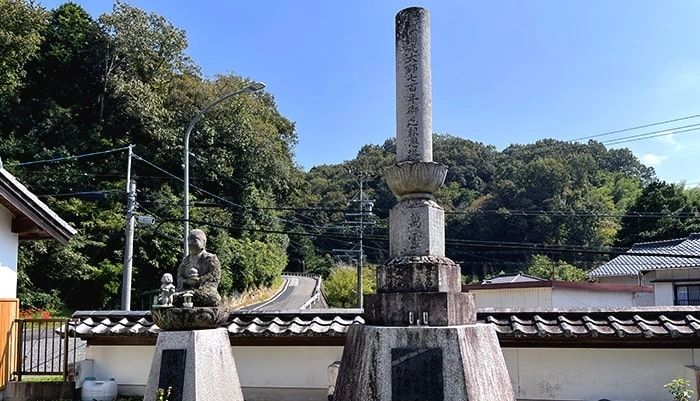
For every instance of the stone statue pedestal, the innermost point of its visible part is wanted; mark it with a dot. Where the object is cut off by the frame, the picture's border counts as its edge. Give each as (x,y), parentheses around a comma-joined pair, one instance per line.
(422,363)
(196,364)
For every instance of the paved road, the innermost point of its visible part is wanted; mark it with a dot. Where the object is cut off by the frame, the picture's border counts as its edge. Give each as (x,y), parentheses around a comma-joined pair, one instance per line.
(295,292)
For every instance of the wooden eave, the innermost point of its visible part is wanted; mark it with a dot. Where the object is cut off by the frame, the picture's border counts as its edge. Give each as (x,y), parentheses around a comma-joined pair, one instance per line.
(33,220)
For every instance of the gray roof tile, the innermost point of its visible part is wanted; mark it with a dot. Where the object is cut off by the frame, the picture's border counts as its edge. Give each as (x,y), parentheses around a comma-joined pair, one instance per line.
(644,324)
(646,256)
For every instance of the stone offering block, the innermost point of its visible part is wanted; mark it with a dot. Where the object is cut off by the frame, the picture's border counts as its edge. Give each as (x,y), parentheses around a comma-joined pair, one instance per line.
(178,319)
(419,274)
(440,308)
(209,374)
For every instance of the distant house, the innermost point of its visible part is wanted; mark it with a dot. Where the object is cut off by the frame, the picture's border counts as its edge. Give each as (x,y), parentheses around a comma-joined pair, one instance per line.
(672,267)
(524,291)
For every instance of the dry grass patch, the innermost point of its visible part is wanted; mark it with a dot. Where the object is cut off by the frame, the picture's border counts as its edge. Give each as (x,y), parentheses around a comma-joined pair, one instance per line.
(253,296)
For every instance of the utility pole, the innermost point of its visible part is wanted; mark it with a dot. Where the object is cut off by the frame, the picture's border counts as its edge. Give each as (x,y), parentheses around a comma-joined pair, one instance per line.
(129,241)
(359,219)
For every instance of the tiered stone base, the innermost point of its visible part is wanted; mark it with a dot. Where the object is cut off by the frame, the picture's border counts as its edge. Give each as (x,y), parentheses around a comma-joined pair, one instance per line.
(197,364)
(457,363)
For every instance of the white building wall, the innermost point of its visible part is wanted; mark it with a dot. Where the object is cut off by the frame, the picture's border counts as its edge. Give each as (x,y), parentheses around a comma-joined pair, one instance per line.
(540,297)
(568,297)
(663,294)
(258,367)
(594,374)
(559,374)
(9,242)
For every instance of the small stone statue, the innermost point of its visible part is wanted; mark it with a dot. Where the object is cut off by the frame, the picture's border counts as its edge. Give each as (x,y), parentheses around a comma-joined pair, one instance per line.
(167,289)
(199,273)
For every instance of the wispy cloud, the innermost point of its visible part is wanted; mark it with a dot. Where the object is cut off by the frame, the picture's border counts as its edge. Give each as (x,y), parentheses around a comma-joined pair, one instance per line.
(670,139)
(652,159)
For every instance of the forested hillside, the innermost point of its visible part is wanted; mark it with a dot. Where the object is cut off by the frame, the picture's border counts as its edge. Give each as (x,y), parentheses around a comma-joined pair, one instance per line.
(76,92)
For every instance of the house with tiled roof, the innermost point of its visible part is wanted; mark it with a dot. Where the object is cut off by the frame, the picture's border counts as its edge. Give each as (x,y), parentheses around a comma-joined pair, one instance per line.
(672,267)
(532,292)
(23,217)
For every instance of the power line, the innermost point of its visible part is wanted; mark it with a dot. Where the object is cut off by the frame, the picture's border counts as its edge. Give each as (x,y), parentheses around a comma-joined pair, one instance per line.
(635,128)
(67,157)
(653,134)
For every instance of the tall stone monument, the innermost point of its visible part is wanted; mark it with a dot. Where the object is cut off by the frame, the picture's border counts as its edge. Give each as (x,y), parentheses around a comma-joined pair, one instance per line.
(421,340)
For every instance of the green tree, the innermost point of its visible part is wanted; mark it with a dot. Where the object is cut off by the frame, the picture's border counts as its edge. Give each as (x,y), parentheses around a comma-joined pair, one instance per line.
(341,285)
(662,211)
(543,267)
(22,25)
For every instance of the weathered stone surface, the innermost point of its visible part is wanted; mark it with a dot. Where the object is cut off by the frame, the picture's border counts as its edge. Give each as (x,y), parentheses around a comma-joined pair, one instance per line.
(472,362)
(416,228)
(210,370)
(199,273)
(442,308)
(419,274)
(178,319)
(414,107)
(415,180)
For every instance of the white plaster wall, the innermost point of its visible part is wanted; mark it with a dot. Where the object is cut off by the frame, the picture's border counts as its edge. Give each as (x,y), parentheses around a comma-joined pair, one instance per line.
(663,294)
(289,367)
(546,297)
(9,242)
(536,373)
(540,297)
(593,374)
(568,297)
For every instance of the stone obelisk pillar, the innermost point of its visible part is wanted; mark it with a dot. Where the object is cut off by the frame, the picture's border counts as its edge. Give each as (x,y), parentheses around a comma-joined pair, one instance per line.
(418,284)
(420,340)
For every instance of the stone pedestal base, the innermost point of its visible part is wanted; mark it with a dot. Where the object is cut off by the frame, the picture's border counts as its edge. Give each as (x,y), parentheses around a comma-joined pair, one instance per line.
(197,364)
(456,363)
(426,308)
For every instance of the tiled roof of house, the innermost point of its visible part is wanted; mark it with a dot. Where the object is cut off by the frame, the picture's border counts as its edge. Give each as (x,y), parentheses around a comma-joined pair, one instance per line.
(304,323)
(515,327)
(646,256)
(33,219)
(511,278)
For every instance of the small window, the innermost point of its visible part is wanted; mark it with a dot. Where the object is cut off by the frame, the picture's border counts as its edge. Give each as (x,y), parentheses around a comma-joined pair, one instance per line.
(688,294)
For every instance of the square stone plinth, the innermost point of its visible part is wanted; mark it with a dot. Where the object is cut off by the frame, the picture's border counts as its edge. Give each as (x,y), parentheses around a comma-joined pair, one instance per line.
(416,228)
(456,363)
(205,368)
(440,308)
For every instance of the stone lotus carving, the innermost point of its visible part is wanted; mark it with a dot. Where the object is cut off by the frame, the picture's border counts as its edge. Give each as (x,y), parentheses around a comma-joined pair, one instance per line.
(415,180)
(173,319)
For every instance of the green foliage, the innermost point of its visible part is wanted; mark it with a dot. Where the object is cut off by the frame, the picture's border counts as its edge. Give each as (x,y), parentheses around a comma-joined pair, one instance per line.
(679,389)
(543,267)
(255,263)
(341,285)
(669,211)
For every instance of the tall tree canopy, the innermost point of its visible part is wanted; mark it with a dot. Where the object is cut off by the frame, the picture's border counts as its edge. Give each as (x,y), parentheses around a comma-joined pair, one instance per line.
(86,89)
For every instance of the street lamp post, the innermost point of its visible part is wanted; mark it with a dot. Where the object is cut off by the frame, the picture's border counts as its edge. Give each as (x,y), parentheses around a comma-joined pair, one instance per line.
(255,86)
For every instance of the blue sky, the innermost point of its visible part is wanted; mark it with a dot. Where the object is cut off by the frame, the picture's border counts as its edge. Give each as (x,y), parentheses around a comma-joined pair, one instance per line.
(503,71)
